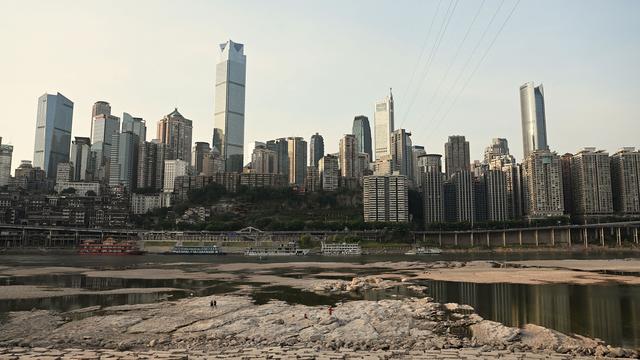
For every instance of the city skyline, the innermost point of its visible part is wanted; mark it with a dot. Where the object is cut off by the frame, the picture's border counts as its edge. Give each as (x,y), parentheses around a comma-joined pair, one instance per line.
(561,96)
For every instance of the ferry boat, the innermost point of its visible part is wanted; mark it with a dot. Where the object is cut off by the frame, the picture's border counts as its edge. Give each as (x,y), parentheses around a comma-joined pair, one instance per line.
(109,246)
(424,251)
(195,250)
(289,249)
(340,249)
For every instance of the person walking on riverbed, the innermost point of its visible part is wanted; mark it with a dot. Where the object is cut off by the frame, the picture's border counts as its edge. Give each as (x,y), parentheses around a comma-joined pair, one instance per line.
(213,304)
(330,310)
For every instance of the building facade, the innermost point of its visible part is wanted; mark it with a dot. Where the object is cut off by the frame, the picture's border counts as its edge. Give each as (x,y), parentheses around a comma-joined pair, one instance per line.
(6,154)
(82,159)
(263,160)
(542,181)
(362,130)
(433,195)
(297,154)
(464,190)
(175,131)
(625,178)
(591,182)
(200,149)
(172,170)
(402,153)
(348,150)
(53,132)
(134,125)
(534,122)
(385,198)
(384,126)
(124,160)
(496,195)
(229,104)
(456,155)
(316,149)
(329,172)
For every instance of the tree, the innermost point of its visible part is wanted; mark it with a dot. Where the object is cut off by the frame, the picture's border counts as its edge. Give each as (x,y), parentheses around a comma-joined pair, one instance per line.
(68,191)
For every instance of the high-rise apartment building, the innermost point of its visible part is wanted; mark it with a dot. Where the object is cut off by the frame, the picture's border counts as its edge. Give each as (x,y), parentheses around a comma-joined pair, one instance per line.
(134,125)
(384,126)
(53,132)
(625,181)
(456,155)
(263,160)
(281,147)
(498,147)
(432,193)
(197,156)
(496,195)
(212,164)
(229,104)
(362,130)
(542,183)
(173,169)
(124,160)
(534,123)
(150,165)
(312,179)
(64,173)
(385,198)
(316,149)
(6,154)
(418,162)
(567,183)
(329,172)
(450,204)
(297,151)
(175,131)
(402,153)
(348,151)
(82,159)
(591,182)
(464,190)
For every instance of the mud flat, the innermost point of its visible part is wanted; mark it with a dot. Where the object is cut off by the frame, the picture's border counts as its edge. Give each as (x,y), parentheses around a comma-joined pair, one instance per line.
(236,324)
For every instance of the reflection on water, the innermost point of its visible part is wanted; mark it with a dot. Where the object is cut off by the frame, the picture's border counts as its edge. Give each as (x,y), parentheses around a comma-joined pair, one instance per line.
(608,312)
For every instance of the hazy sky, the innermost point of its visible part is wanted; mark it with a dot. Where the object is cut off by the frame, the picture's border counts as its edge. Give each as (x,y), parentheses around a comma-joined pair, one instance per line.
(313,66)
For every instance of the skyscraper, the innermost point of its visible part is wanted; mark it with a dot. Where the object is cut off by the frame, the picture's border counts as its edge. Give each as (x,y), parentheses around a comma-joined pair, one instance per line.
(134,125)
(591,182)
(263,160)
(199,151)
(100,108)
(534,123)
(281,147)
(103,127)
(124,160)
(625,179)
(362,131)
(402,153)
(229,104)
(174,130)
(316,149)
(496,195)
(384,125)
(297,151)
(329,172)
(543,185)
(385,198)
(456,155)
(173,169)
(82,159)
(6,153)
(348,156)
(567,186)
(465,204)
(53,132)
(498,147)
(150,165)
(418,163)
(432,189)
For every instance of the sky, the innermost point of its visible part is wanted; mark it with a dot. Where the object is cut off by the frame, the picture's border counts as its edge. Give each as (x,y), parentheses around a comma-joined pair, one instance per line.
(314,65)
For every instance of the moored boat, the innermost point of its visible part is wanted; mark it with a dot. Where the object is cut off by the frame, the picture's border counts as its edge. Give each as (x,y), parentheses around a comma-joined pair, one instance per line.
(424,251)
(109,246)
(195,250)
(340,249)
(289,249)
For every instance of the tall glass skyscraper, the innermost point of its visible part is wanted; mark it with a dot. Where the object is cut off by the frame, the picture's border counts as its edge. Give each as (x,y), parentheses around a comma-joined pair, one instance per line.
(229,104)
(53,132)
(384,126)
(362,131)
(316,149)
(135,125)
(534,123)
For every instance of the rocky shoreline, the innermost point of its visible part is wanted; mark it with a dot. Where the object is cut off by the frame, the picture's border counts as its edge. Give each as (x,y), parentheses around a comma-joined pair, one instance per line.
(236,324)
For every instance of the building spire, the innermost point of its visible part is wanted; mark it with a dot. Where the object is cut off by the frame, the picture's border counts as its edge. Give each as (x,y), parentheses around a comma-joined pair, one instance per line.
(391,93)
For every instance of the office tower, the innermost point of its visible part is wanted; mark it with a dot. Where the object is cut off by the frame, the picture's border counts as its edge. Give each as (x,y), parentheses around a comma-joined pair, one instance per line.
(534,123)
(174,130)
(498,147)
(173,169)
(418,163)
(456,155)
(465,207)
(402,153)
(135,125)
(81,159)
(348,156)
(212,163)
(297,152)
(281,147)
(496,195)
(385,198)
(312,179)
(567,186)
(64,172)
(6,153)
(432,193)
(450,203)
(384,126)
(362,131)
(263,160)
(329,172)
(199,151)
(316,149)
(124,160)
(103,127)
(100,108)
(542,185)
(513,179)
(150,158)
(625,180)
(229,104)
(479,198)
(53,132)
(591,182)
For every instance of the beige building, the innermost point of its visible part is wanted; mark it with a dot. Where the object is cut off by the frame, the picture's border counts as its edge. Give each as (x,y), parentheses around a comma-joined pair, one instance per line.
(625,181)
(385,198)
(329,173)
(297,150)
(263,160)
(348,156)
(543,185)
(591,182)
